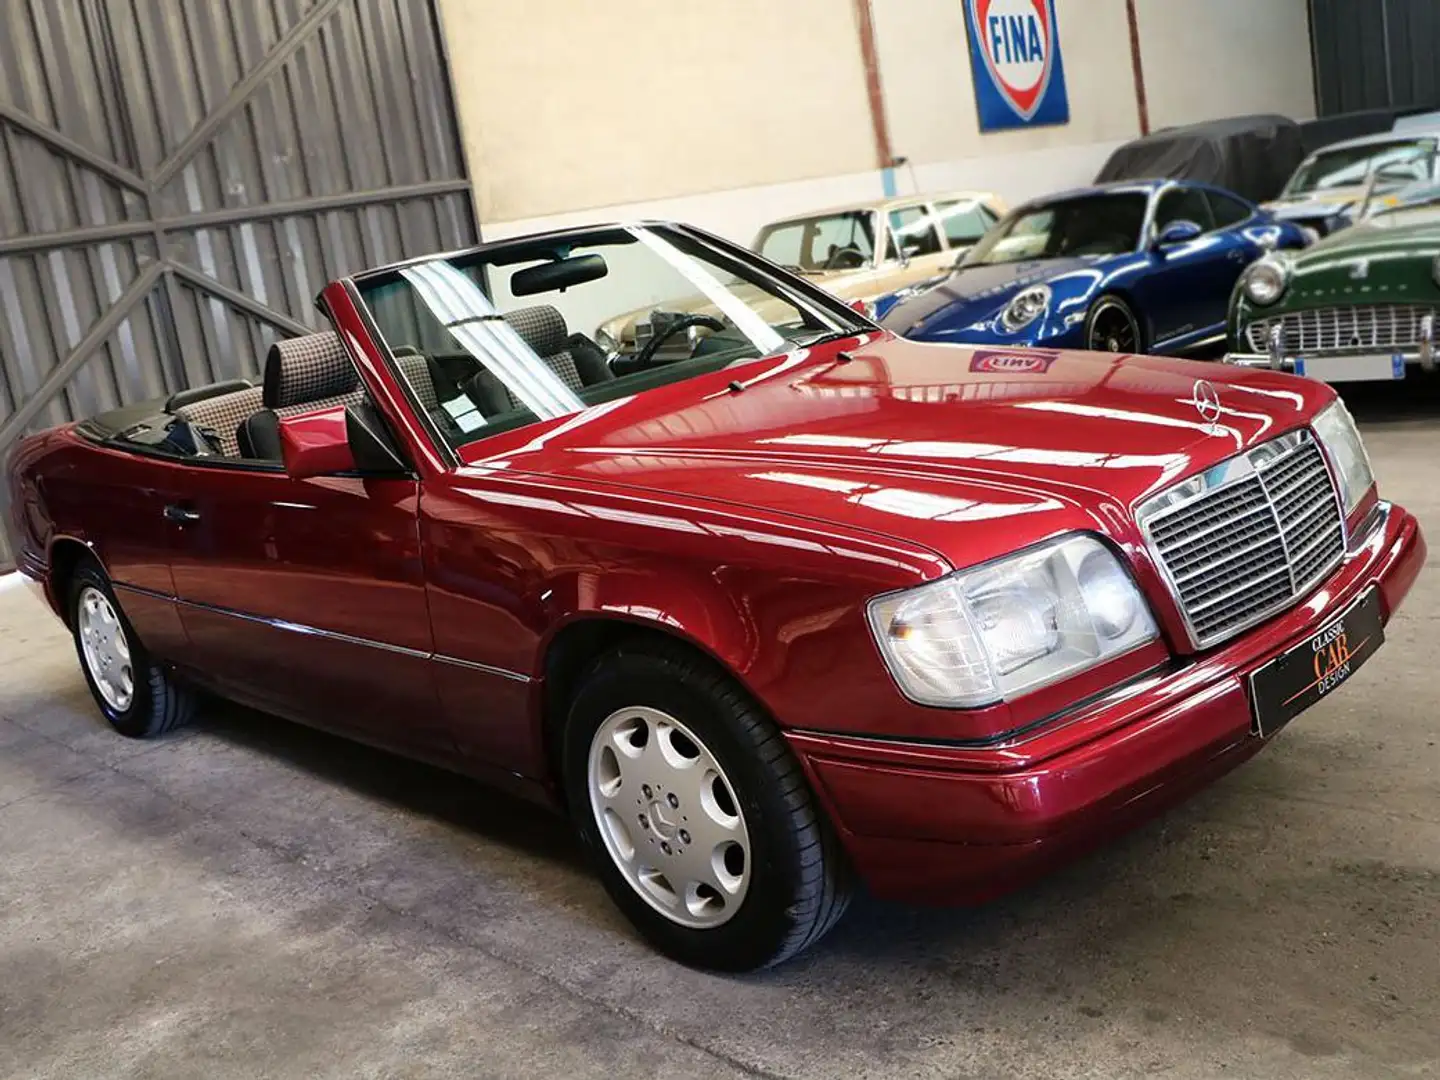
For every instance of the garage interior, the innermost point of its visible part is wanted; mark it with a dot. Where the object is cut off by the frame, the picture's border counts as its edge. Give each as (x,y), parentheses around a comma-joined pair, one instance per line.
(249,897)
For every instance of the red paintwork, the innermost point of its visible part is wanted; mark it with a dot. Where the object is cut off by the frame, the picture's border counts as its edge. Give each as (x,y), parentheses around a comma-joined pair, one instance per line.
(754,525)
(316,444)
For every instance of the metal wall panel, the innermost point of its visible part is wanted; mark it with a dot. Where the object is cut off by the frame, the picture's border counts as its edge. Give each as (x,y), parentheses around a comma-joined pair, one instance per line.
(1375,54)
(179,178)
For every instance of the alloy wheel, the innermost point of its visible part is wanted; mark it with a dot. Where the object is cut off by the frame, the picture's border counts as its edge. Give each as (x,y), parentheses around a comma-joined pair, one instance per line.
(1113,329)
(669,817)
(106,649)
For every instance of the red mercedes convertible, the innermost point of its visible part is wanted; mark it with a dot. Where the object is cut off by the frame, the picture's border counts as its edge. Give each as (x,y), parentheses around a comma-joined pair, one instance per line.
(632,522)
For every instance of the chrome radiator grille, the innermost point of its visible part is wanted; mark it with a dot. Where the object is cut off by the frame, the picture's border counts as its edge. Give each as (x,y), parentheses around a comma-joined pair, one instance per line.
(1249,538)
(1368,328)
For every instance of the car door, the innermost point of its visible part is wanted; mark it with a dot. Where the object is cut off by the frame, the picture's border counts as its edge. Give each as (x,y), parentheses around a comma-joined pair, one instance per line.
(1185,282)
(307,598)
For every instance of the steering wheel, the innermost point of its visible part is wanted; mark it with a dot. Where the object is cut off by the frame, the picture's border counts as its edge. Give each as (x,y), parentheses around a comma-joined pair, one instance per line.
(646,356)
(850,252)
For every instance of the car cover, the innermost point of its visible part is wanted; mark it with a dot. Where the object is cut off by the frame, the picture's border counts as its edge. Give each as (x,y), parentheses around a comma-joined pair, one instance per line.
(1252,156)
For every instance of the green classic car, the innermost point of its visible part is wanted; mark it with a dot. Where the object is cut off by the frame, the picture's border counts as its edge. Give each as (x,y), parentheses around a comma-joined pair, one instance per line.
(1360,305)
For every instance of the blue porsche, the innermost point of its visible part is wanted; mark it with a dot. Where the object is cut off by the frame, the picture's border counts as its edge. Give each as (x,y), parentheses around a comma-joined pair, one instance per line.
(1131,267)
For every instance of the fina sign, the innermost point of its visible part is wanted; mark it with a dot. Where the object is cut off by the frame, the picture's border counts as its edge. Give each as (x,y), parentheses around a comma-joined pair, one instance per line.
(1015,60)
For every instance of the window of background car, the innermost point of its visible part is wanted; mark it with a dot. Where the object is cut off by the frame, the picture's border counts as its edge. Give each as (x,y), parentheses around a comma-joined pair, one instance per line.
(496,340)
(1183,204)
(914,230)
(1350,166)
(844,241)
(1087,225)
(964,222)
(1227,209)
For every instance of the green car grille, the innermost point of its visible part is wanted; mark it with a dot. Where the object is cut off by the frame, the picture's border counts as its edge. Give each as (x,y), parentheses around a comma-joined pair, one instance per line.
(1352,329)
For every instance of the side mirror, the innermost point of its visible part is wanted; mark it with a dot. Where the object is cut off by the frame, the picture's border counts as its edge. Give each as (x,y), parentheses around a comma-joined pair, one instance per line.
(1177,232)
(339,440)
(316,444)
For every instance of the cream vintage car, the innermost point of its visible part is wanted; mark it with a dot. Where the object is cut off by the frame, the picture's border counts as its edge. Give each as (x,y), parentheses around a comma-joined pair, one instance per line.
(867,253)
(871,251)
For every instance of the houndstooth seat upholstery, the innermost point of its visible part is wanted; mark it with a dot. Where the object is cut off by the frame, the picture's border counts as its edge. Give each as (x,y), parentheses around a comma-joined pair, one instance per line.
(576,360)
(222,416)
(303,374)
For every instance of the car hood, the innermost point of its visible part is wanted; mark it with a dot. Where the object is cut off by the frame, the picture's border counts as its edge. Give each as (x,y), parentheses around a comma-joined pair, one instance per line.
(923,443)
(971,293)
(1392,254)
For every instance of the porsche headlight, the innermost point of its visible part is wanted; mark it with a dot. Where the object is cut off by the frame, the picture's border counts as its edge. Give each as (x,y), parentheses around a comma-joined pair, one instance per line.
(995,632)
(1336,430)
(1266,281)
(1027,306)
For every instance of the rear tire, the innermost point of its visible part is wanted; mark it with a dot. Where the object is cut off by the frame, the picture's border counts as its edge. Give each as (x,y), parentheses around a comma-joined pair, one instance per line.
(750,873)
(135,694)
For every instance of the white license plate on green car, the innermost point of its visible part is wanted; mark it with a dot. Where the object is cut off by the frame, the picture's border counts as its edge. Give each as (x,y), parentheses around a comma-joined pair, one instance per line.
(1333,369)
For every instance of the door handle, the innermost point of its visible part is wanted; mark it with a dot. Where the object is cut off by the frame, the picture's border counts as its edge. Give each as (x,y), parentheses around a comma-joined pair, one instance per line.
(181,515)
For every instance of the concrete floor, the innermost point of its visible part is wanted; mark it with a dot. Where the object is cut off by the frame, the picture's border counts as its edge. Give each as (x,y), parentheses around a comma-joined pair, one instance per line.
(250,898)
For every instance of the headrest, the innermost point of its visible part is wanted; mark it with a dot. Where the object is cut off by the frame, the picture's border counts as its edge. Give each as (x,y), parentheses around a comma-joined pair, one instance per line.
(305,369)
(542,327)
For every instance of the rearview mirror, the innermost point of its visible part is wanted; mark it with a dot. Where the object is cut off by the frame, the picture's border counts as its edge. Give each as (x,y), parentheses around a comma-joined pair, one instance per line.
(316,444)
(1177,232)
(558,275)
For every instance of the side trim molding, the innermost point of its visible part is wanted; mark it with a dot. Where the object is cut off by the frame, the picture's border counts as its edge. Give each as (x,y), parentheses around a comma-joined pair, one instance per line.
(315,631)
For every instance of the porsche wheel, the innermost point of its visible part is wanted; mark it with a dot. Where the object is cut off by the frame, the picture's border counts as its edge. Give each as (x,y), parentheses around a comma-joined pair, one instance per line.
(696,814)
(1111,326)
(136,696)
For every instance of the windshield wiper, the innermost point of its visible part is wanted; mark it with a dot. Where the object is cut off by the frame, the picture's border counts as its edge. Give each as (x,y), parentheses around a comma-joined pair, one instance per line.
(796,268)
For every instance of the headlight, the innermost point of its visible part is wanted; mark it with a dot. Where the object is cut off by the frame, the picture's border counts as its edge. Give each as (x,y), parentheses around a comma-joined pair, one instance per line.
(999,630)
(1335,429)
(1266,281)
(1028,305)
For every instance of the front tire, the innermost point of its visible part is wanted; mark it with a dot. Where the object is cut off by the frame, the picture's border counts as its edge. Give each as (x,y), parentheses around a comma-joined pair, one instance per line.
(136,695)
(1112,326)
(695,813)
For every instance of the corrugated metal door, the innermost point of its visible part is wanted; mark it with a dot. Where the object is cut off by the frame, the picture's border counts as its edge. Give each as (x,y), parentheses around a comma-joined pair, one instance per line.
(1375,54)
(179,178)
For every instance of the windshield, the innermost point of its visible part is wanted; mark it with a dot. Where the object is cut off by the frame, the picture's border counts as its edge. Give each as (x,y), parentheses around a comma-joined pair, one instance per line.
(538,330)
(1403,161)
(1086,225)
(843,241)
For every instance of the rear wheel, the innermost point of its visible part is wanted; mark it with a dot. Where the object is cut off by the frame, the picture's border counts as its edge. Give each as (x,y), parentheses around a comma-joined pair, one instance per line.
(696,814)
(135,694)
(1111,326)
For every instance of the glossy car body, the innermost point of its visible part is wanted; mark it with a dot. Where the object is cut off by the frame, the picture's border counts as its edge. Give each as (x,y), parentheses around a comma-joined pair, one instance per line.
(1177,292)
(1338,183)
(910,239)
(751,514)
(1358,305)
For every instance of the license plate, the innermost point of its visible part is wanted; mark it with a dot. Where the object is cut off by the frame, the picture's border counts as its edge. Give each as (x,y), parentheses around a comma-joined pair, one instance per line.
(1288,685)
(1333,369)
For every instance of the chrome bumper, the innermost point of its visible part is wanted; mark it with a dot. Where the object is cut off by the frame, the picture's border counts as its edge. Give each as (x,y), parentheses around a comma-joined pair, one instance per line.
(1422,353)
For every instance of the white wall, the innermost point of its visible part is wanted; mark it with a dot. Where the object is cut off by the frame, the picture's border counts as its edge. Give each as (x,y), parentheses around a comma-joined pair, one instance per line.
(731,113)
(574,104)
(1243,56)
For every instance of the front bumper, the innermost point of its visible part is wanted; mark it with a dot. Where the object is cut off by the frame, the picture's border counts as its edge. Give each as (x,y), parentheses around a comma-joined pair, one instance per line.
(964,823)
(1422,352)
(1424,359)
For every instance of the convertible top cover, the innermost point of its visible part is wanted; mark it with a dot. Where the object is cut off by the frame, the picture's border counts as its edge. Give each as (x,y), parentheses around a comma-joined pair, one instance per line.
(1252,156)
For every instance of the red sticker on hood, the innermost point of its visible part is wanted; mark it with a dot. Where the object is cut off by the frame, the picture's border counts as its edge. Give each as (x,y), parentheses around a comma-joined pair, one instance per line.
(1018,362)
